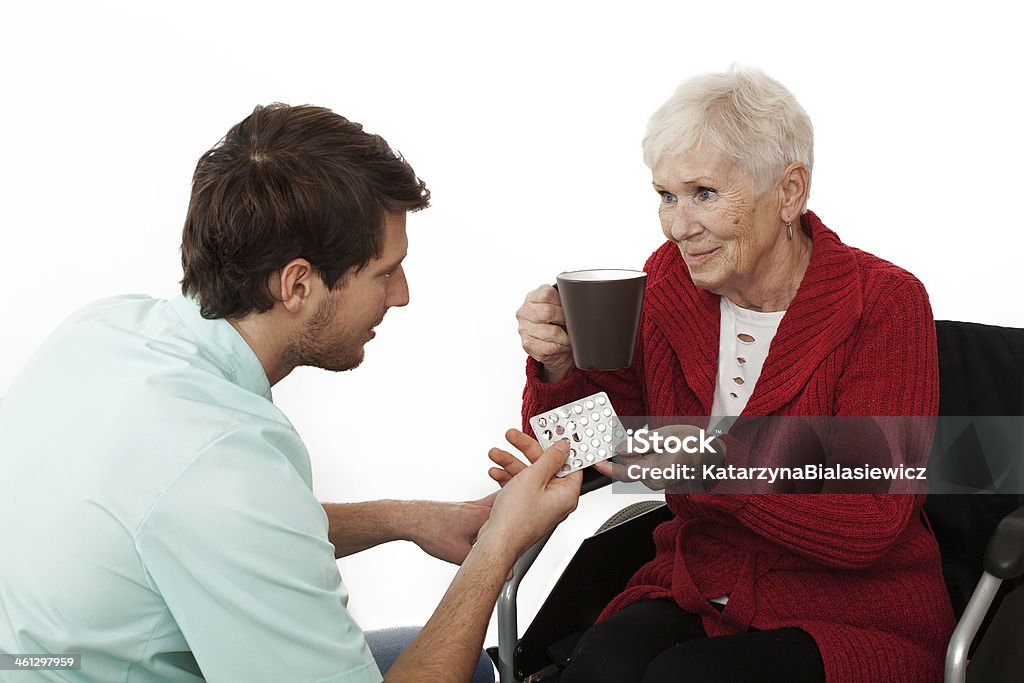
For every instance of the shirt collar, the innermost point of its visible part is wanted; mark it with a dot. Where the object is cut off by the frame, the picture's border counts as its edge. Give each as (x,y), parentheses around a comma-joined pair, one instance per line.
(232,353)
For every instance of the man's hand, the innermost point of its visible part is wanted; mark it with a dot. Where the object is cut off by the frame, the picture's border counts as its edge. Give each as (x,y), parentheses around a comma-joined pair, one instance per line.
(448,530)
(529,504)
(650,459)
(533,499)
(508,464)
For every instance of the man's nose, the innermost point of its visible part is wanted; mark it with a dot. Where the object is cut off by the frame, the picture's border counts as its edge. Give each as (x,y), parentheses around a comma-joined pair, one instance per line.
(398,290)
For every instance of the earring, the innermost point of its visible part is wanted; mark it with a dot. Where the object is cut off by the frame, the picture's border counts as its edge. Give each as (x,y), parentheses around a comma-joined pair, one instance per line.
(789,231)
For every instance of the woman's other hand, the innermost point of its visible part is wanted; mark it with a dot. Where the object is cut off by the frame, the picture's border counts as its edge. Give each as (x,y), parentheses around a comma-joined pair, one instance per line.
(542,330)
(657,462)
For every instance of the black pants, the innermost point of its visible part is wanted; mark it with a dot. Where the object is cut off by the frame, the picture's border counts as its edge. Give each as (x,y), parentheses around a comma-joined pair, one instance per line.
(655,641)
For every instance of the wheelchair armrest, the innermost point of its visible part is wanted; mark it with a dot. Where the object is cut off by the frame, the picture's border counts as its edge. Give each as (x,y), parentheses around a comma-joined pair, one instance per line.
(1004,556)
(1004,559)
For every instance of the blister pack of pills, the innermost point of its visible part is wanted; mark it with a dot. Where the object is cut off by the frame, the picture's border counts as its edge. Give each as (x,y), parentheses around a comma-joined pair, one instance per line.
(591,426)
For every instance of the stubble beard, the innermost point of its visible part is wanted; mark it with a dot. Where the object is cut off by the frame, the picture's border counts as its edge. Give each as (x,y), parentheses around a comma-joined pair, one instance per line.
(311,347)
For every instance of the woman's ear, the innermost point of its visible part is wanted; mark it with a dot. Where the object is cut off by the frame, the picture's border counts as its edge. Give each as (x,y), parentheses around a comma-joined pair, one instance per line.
(793,188)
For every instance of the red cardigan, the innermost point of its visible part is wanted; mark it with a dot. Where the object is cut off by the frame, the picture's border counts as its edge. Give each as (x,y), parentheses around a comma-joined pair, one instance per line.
(859,572)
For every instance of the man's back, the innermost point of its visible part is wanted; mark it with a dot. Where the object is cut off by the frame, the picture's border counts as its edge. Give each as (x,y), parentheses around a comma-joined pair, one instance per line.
(151,493)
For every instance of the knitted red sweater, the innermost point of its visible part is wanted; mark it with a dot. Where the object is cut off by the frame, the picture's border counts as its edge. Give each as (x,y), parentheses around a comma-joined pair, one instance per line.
(860,573)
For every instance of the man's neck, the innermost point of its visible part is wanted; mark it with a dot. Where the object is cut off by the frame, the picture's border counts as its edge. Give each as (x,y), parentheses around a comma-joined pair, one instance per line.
(269,346)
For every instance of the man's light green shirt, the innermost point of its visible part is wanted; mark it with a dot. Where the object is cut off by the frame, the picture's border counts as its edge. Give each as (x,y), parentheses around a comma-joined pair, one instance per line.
(157,511)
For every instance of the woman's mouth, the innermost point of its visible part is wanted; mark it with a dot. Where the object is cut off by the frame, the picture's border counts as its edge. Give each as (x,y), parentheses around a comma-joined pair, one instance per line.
(698,257)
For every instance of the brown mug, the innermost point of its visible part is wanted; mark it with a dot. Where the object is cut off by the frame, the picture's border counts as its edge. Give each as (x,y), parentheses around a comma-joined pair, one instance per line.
(602,315)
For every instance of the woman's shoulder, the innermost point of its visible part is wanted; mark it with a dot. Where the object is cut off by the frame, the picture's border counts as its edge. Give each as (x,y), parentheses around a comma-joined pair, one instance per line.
(884,281)
(879,280)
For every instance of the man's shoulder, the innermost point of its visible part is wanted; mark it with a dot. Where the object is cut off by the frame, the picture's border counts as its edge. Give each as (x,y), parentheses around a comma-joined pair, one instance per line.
(136,351)
(124,308)
(103,328)
(139,396)
(137,300)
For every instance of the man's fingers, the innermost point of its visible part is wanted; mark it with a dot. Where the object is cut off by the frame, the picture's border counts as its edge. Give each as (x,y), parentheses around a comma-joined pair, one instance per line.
(499,475)
(506,460)
(551,460)
(526,444)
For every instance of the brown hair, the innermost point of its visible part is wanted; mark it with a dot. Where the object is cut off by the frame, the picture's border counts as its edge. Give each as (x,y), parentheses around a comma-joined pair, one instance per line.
(288,182)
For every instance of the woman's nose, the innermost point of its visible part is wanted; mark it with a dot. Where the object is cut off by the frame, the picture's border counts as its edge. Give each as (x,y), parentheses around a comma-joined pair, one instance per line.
(683,224)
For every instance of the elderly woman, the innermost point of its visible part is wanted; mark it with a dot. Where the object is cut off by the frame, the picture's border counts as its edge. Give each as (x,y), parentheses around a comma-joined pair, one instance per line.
(754,307)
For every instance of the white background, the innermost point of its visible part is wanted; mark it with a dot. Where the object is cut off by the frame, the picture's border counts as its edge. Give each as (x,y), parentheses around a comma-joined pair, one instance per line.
(525,120)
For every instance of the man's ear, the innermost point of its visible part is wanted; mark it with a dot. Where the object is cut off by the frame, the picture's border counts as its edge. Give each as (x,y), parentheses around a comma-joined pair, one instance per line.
(293,284)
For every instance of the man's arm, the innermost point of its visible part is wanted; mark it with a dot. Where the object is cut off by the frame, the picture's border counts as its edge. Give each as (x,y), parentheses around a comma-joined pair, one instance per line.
(353,527)
(445,530)
(527,507)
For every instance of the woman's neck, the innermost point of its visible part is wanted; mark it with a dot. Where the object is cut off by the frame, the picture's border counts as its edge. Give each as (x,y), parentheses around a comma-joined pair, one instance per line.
(779,279)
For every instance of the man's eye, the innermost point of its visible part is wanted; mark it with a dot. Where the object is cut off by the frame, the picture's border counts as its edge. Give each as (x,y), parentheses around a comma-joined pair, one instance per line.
(667,197)
(705,193)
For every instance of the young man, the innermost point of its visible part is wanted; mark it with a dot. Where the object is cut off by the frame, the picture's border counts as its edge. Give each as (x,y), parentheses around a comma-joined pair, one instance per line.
(159,511)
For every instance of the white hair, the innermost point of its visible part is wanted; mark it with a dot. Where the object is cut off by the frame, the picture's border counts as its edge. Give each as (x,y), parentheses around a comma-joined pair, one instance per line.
(745,114)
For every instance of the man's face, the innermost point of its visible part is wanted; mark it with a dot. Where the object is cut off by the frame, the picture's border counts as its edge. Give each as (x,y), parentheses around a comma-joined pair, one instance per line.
(334,336)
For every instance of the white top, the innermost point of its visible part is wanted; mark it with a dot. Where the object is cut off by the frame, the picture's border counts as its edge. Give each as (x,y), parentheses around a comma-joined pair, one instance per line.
(743,344)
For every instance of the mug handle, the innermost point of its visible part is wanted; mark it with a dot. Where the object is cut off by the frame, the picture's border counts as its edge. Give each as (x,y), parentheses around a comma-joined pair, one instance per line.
(555,285)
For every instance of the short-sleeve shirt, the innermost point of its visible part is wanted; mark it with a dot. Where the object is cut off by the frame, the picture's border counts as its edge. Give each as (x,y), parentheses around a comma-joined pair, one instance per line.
(157,510)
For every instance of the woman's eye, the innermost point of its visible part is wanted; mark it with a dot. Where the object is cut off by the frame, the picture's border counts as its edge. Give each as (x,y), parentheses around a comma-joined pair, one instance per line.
(667,197)
(705,193)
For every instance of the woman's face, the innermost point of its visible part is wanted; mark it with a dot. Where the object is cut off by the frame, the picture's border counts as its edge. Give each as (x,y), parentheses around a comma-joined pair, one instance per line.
(726,234)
